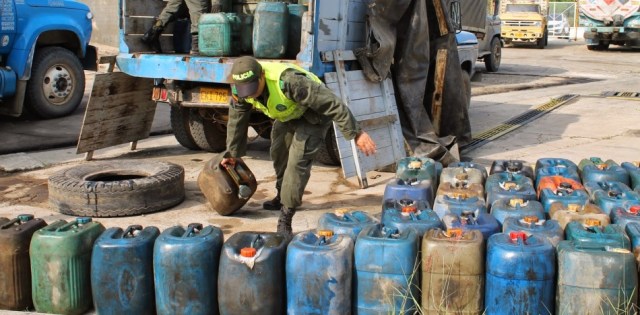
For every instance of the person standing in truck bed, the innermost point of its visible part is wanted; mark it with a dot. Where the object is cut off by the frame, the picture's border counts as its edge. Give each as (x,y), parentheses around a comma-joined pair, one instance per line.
(173,10)
(302,108)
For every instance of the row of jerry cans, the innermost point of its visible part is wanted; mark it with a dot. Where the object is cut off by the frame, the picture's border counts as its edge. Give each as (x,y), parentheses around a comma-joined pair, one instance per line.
(273,31)
(520,269)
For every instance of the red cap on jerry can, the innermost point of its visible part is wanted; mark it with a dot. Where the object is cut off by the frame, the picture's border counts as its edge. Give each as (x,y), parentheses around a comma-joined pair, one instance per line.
(248,252)
(514,236)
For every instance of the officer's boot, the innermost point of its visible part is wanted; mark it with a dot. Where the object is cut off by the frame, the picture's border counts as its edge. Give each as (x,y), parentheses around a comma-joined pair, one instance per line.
(284,222)
(195,49)
(152,37)
(273,204)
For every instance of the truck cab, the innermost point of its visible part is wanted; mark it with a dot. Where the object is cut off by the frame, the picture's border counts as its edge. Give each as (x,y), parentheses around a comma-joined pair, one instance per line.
(44,49)
(524,21)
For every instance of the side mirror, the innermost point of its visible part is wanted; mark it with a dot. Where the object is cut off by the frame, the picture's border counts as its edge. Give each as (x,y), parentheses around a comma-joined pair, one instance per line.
(454,12)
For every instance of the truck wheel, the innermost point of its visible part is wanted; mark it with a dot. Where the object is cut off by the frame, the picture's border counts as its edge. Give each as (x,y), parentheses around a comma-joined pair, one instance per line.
(328,153)
(492,60)
(540,43)
(599,46)
(116,188)
(466,85)
(208,135)
(180,126)
(56,86)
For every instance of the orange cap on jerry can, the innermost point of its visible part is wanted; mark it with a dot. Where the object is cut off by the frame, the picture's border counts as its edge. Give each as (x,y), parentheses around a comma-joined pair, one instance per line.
(573,207)
(530,219)
(454,232)
(592,222)
(248,252)
(408,209)
(634,209)
(414,165)
(325,233)
(516,202)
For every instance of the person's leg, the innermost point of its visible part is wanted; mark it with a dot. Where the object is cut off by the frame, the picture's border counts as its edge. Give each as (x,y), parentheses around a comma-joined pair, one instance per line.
(281,136)
(170,12)
(304,146)
(196,9)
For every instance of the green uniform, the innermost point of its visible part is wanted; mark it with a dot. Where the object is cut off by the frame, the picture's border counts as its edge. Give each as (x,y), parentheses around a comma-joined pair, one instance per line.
(174,7)
(295,142)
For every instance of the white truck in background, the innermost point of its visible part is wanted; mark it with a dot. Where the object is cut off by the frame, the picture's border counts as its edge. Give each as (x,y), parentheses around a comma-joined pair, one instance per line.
(610,22)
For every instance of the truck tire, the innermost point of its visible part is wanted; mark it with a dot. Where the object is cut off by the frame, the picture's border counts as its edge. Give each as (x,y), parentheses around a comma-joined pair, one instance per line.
(208,135)
(599,46)
(492,60)
(180,126)
(116,188)
(328,153)
(56,86)
(542,42)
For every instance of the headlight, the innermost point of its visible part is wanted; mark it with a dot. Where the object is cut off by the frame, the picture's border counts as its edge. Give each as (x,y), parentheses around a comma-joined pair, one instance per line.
(635,23)
(89,16)
(537,23)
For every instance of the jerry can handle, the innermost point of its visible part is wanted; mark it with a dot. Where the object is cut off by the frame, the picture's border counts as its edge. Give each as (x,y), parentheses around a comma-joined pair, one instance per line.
(22,218)
(192,228)
(349,217)
(388,232)
(322,240)
(257,241)
(131,229)
(413,216)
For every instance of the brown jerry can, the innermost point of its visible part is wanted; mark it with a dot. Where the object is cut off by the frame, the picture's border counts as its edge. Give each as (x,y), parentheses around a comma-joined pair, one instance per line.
(15,266)
(575,212)
(227,188)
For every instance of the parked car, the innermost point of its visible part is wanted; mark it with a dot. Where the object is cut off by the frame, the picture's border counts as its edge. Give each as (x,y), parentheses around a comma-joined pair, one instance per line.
(558,24)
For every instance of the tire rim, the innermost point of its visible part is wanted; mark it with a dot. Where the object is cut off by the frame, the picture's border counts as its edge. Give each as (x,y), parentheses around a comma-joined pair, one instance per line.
(496,54)
(57,84)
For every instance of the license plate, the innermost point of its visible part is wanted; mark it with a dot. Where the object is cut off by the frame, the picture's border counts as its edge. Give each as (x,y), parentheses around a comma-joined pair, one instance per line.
(214,95)
(519,35)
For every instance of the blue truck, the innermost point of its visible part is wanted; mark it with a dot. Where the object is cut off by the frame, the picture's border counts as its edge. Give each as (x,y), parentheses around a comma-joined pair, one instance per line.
(43,51)
(197,87)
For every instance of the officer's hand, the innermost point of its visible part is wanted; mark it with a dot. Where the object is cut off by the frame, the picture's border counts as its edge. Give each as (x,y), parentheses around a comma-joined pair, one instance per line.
(365,144)
(226,162)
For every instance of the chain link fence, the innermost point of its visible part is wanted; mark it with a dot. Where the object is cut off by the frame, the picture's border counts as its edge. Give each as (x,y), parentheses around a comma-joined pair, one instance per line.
(563,20)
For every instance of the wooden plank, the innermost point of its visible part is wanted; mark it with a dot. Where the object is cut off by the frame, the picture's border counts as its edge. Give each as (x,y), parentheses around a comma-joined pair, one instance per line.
(371,162)
(436,101)
(327,45)
(140,24)
(119,110)
(441,16)
(357,11)
(142,8)
(359,90)
(330,30)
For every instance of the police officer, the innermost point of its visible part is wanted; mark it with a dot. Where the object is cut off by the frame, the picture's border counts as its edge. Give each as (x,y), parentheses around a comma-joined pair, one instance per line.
(302,108)
(173,10)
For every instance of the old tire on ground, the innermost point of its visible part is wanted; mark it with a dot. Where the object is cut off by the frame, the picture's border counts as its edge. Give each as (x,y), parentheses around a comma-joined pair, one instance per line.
(56,86)
(180,126)
(116,188)
(328,153)
(492,60)
(209,136)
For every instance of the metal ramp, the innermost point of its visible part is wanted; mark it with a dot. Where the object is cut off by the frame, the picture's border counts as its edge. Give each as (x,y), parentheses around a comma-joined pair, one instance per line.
(374,106)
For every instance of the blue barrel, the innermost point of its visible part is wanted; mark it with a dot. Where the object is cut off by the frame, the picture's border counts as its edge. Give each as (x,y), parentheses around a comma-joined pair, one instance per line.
(185,264)
(445,204)
(410,189)
(348,222)
(453,272)
(319,270)
(418,168)
(402,205)
(122,271)
(574,212)
(633,231)
(386,264)
(595,279)
(252,274)
(509,186)
(610,235)
(534,225)
(473,220)
(625,214)
(633,168)
(520,275)
(410,218)
(468,165)
(270,24)
(517,208)
(512,166)
(564,195)
(594,169)
(296,11)
(609,195)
